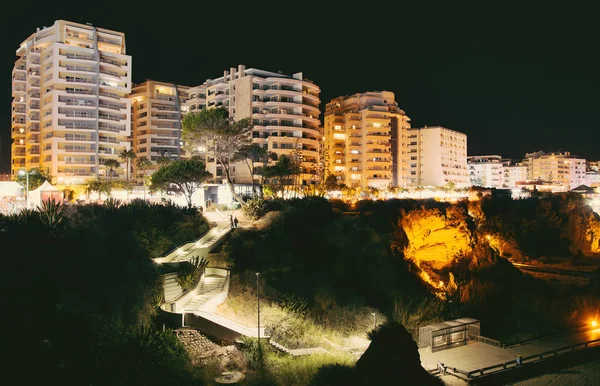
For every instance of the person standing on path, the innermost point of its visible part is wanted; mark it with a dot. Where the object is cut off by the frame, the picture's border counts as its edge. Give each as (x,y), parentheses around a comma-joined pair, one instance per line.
(231,221)
(235,222)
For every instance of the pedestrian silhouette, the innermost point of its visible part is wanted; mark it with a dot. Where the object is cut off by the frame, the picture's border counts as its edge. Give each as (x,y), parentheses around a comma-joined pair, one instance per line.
(235,222)
(231,221)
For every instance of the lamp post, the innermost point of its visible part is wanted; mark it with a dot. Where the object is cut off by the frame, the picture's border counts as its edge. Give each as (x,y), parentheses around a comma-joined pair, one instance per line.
(374,320)
(26,174)
(258,307)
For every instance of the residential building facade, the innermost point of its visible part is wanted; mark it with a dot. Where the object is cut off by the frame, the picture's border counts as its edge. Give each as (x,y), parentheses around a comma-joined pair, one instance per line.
(363,138)
(437,156)
(486,171)
(157,109)
(558,168)
(515,175)
(284,111)
(70,107)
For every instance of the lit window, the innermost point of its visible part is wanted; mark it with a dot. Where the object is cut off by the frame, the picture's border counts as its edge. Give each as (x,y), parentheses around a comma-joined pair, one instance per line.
(339,136)
(376,124)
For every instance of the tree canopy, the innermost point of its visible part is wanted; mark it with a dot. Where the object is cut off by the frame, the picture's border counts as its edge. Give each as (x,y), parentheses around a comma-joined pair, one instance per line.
(220,136)
(181,176)
(37,177)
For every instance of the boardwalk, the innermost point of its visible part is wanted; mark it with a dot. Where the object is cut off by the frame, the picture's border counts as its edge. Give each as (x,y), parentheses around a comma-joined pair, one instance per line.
(479,355)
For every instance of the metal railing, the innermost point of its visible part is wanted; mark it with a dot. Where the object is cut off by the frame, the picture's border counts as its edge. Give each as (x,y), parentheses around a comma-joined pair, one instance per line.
(524,360)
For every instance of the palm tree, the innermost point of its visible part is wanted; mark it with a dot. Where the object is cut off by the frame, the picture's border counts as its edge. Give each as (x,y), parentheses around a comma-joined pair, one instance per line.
(143,164)
(111,164)
(127,155)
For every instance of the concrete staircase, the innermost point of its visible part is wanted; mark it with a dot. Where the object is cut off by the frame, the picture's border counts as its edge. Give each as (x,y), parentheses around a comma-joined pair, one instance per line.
(211,285)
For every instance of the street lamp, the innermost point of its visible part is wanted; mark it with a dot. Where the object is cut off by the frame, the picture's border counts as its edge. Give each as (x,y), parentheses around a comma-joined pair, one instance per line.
(25,173)
(374,320)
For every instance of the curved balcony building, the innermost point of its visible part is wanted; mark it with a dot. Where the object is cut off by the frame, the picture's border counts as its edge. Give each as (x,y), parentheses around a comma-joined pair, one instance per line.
(284,111)
(363,140)
(70,105)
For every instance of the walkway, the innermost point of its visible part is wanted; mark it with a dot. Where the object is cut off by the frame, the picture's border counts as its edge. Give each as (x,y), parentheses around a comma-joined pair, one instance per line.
(200,247)
(474,356)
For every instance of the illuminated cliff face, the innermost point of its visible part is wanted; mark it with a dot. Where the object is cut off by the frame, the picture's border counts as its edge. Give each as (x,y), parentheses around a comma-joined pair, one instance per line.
(435,237)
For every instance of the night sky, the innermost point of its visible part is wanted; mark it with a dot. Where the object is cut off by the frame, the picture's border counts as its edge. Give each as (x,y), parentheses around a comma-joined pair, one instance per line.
(513,79)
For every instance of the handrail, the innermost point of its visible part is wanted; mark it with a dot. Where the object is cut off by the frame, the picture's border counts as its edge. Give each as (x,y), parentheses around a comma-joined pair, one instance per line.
(529,359)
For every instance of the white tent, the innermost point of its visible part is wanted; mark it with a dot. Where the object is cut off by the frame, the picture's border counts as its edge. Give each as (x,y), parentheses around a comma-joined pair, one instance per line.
(45,192)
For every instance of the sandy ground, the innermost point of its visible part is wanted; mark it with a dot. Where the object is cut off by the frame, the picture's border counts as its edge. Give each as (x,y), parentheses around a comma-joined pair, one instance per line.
(580,375)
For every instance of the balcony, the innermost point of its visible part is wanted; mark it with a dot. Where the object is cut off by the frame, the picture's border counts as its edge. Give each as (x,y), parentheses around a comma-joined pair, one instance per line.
(111,117)
(70,79)
(79,114)
(164,97)
(115,42)
(83,92)
(112,128)
(109,94)
(112,106)
(105,59)
(79,68)
(80,57)
(69,149)
(77,125)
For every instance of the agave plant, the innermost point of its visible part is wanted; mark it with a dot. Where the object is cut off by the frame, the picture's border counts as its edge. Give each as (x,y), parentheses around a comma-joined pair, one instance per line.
(52,213)
(112,203)
(190,273)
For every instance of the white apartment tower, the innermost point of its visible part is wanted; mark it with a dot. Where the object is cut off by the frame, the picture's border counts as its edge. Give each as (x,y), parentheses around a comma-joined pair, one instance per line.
(559,168)
(70,105)
(363,140)
(284,111)
(486,171)
(157,109)
(437,156)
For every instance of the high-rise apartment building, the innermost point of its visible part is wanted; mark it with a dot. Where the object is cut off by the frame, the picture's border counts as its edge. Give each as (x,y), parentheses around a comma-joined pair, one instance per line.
(486,171)
(559,168)
(363,140)
(157,109)
(70,105)
(437,156)
(284,111)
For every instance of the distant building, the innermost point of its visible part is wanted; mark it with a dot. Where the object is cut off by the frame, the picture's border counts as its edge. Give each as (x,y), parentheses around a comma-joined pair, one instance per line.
(70,110)
(592,179)
(156,119)
(515,175)
(593,166)
(363,137)
(486,171)
(5,177)
(556,168)
(284,111)
(437,156)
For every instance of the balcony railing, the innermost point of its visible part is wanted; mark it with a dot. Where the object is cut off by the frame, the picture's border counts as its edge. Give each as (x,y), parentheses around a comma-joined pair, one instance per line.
(82,57)
(109,94)
(110,117)
(104,59)
(109,41)
(79,68)
(165,97)
(84,92)
(77,114)
(112,128)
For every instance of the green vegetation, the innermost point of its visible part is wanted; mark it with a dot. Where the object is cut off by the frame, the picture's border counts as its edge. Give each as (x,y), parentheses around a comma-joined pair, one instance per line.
(83,293)
(189,273)
(220,136)
(182,177)
(37,176)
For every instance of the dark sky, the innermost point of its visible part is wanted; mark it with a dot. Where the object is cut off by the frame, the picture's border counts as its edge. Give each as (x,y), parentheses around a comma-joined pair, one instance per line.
(514,79)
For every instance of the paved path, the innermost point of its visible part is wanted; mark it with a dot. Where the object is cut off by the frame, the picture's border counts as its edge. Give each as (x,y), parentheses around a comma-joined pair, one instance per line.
(478,355)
